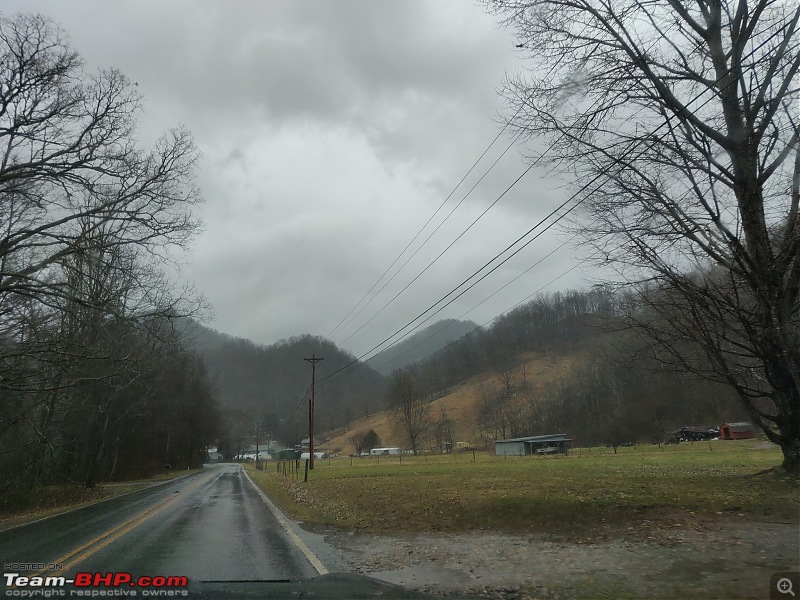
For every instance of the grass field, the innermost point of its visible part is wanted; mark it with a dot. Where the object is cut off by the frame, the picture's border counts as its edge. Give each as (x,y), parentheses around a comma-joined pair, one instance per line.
(588,491)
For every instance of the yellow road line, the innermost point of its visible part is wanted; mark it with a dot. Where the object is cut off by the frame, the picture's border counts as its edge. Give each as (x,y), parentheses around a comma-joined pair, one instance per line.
(104,539)
(276,512)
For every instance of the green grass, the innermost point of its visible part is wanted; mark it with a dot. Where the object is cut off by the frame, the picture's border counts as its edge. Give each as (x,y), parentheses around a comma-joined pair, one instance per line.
(589,491)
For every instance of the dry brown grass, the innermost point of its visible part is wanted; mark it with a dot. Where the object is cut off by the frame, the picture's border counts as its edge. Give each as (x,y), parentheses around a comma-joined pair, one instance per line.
(462,405)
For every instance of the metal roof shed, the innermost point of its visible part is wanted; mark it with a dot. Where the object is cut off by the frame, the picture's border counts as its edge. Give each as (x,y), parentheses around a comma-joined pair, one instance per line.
(557,443)
(737,431)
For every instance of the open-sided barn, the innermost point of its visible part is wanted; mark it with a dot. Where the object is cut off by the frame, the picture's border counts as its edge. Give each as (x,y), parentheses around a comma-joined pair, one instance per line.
(538,444)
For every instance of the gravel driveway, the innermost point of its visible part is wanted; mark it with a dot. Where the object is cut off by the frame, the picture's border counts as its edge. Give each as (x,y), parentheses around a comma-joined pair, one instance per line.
(726,559)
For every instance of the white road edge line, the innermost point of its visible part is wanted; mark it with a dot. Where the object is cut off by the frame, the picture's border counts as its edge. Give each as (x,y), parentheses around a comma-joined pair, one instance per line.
(279,516)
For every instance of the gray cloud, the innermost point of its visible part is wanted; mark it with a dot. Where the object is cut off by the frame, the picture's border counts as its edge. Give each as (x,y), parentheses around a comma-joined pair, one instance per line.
(330,132)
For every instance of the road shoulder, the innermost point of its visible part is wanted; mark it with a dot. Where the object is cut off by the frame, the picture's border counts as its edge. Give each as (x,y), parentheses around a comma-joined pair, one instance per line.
(322,556)
(734,560)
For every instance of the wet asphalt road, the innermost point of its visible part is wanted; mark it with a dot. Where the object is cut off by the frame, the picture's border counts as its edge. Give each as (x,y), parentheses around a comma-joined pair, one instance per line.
(209,526)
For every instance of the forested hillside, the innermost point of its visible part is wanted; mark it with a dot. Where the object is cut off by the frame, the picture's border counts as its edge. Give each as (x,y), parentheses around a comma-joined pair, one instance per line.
(566,362)
(616,389)
(421,345)
(270,384)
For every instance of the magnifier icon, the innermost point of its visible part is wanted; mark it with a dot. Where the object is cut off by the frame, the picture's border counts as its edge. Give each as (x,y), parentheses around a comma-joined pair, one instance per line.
(784,586)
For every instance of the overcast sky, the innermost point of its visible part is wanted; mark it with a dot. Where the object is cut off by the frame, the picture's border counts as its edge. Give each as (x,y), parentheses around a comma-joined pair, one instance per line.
(330,134)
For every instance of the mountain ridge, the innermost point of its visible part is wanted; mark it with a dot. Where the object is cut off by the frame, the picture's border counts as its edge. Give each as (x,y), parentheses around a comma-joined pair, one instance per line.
(421,345)
(270,383)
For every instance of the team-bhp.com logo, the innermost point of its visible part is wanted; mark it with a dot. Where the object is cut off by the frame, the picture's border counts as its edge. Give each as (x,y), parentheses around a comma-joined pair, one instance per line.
(89,585)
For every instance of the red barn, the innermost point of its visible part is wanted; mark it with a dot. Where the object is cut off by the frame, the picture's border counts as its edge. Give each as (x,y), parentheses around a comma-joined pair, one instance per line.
(737,431)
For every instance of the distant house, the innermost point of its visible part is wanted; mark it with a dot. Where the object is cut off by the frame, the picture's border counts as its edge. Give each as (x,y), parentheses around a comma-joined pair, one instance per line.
(213,454)
(737,431)
(557,443)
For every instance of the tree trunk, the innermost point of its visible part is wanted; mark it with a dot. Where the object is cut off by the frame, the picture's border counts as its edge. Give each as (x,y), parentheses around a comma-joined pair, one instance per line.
(789,441)
(791,455)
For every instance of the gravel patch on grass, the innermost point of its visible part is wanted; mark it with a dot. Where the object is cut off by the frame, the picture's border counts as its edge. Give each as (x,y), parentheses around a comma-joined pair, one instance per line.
(717,559)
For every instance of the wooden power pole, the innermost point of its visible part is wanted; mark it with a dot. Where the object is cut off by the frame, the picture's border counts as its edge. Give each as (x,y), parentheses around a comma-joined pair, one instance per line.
(313,360)
(258,427)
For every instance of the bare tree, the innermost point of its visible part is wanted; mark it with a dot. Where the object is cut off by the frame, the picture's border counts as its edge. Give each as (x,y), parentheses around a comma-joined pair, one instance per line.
(504,405)
(411,408)
(444,431)
(358,442)
(69,168)
(87,221)
(678,124)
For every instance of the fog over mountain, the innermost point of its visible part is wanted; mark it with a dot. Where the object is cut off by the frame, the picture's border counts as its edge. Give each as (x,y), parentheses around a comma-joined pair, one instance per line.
(421,345)
(271,383)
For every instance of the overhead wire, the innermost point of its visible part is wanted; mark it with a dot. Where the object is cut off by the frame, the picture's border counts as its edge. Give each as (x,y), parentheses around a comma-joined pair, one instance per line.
(399,256)
(464,232)
(572,197)
(302,401)
(637,143)
(454,290)
(422,245)
(508,310)
(465,313)
(484,276)
(430,264)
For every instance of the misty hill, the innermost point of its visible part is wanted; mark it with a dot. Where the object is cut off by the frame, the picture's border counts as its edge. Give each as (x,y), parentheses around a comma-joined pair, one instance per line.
(272,382)
(420,345)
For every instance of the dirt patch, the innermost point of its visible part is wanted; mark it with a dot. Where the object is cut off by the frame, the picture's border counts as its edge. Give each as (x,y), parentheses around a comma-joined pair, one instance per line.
(723,560)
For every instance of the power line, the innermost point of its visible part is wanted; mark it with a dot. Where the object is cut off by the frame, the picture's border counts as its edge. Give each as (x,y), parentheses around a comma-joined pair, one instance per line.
(422,245)
(464,232)
(484,276)
(430,264)
(302,401)
(479,327)
(636,144)
(563,204)
(508,310)
(464,314)
(475,164)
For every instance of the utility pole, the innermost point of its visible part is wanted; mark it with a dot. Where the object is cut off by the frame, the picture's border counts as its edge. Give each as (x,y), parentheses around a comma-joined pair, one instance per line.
(258,426)
(313,360)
